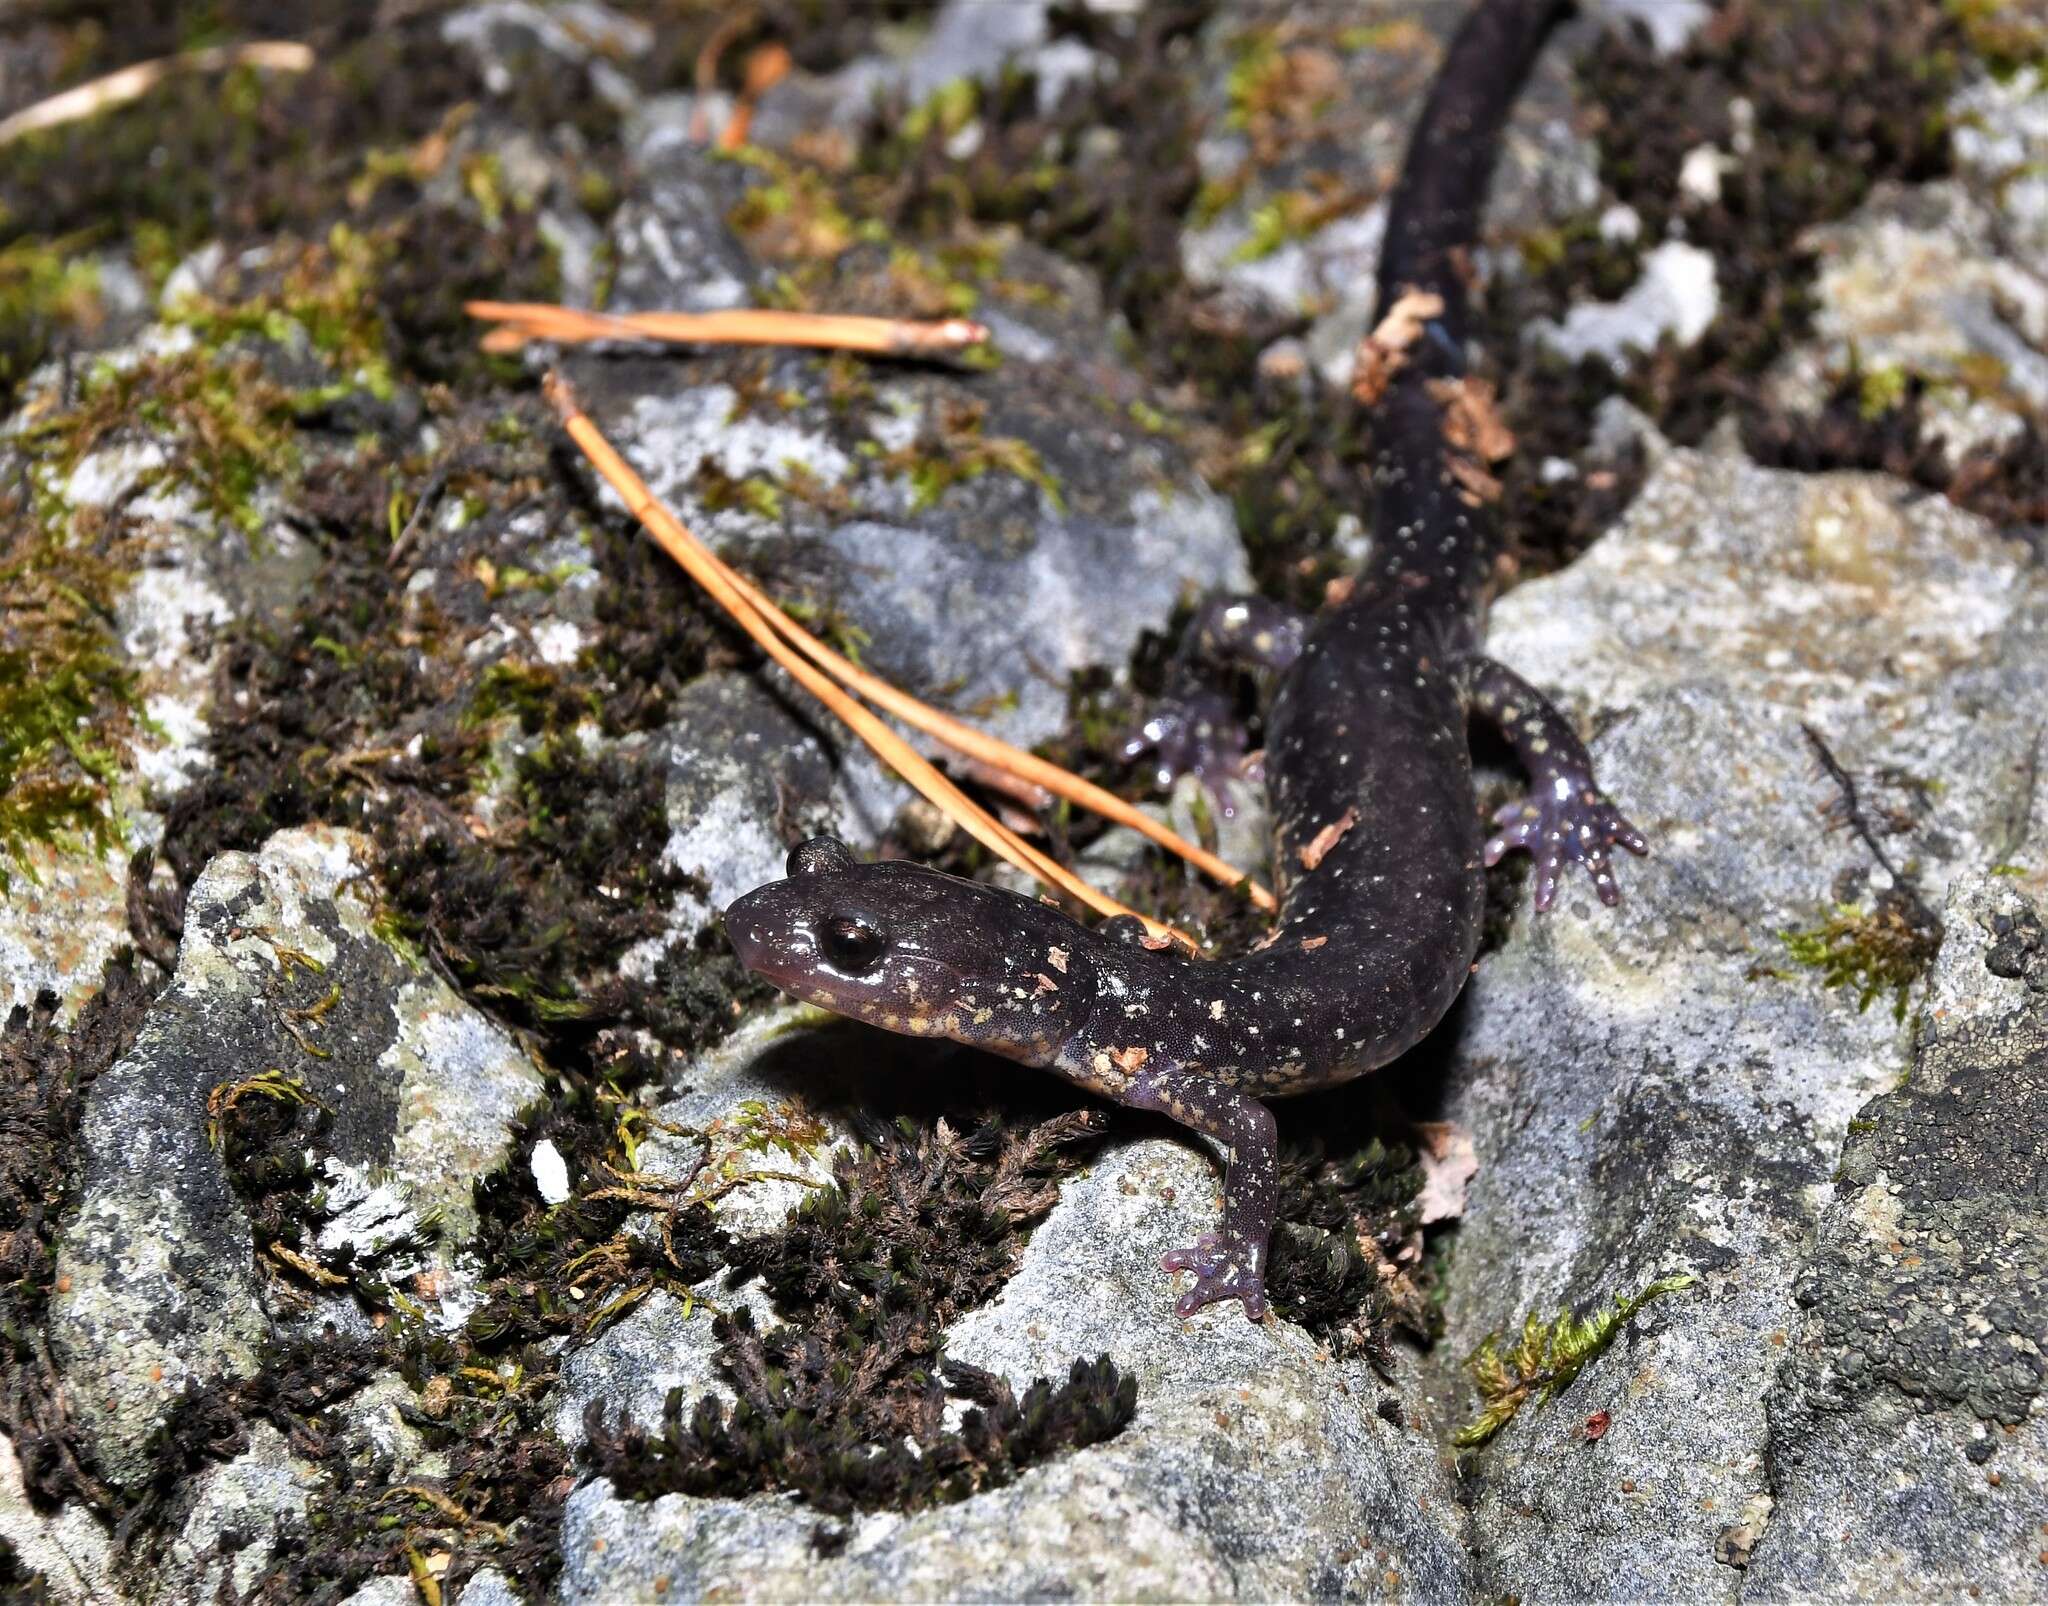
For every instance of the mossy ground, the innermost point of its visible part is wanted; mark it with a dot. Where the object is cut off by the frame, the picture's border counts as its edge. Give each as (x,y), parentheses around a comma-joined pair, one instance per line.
(517,823)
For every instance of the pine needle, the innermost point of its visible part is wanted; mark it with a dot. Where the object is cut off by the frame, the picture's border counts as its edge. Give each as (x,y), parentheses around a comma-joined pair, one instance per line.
(725,589)
(132,83)
(522,321)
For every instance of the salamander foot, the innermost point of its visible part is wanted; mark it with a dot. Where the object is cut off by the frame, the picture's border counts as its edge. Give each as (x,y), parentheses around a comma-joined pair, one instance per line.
(1565,816)
(1222,1271)
(1196,733)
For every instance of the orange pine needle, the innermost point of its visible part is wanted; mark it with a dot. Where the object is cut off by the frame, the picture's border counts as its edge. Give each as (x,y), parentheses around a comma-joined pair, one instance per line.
(740,326)
(670,534)
(991,750)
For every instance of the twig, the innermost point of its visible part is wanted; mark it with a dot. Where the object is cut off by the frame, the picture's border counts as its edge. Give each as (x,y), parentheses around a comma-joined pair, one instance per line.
(1846,809)
(430,493)
(766,67)
(741,326)
(767,626)
(132,83)
(737,21)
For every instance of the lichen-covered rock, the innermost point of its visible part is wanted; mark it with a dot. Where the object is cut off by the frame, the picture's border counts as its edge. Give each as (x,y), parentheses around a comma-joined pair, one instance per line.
(232,1522)
(64,904)
(280,972)
(1914,285)
(1909,1447)
(1662,1087)
(977,538)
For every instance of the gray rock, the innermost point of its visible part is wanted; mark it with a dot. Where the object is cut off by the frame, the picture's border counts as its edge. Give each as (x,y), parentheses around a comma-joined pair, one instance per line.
(158,1285)
(488,1587)
(1908,1450)
(965,39)
(1655,1088)
(741,761)
(1675,299)
(1017,536)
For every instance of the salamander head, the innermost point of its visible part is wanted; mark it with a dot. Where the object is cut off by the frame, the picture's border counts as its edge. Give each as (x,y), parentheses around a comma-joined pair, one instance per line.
(915,950)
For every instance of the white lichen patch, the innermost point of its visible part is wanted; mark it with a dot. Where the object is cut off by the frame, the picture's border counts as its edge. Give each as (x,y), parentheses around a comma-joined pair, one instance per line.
(1677,296)
(464,1083)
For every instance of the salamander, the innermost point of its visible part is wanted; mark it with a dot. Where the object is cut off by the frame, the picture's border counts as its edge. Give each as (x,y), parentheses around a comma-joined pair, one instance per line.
(1379,837)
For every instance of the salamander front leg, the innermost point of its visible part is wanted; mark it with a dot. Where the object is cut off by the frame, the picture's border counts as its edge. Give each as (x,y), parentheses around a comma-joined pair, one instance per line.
(1565,815)
(1193,729)
(1230,1263)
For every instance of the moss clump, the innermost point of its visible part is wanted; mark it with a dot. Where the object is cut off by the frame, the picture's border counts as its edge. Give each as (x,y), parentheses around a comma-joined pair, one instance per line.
(1884,948)
(68,704)
(1344,1225)
(790,214)
(1295,215)
(324,295)
(228,427)
(1545,1358)
(575,880)
(845,1401)
(49,293)
(958,451)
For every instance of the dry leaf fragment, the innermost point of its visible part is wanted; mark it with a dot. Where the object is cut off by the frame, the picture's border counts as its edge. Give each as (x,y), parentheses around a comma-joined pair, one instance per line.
(1381,353)
(1449,1163)
(1471,421)
(1476,487)
(1314,850)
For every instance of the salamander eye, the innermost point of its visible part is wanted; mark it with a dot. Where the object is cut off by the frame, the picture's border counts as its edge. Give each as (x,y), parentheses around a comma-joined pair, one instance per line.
(849,944)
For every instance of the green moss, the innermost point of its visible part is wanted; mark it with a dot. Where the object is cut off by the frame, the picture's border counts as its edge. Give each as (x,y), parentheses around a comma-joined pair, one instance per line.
(945,111)
(1292,215)
(792,215)
(68,705)
(959,451)
(1545,1358)
(1255,75)
(1882,391)
(539,697)
(49,290)
(325,295)
(1870,951)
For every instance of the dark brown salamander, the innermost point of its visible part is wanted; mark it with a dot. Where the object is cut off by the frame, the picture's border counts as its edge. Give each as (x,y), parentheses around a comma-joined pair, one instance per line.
(1378,831)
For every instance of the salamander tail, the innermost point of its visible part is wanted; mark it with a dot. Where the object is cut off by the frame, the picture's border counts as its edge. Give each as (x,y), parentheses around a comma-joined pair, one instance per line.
(1433,220)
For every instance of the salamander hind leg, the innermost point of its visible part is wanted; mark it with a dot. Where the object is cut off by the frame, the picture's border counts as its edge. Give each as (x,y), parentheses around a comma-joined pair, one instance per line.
(1193,729)
(1565,816)
(1231,1262)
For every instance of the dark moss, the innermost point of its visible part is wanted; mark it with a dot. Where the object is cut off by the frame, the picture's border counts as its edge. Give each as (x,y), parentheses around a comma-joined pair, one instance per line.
(845,1401)
(1346,1253)
(19,1586)
(1843,98)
